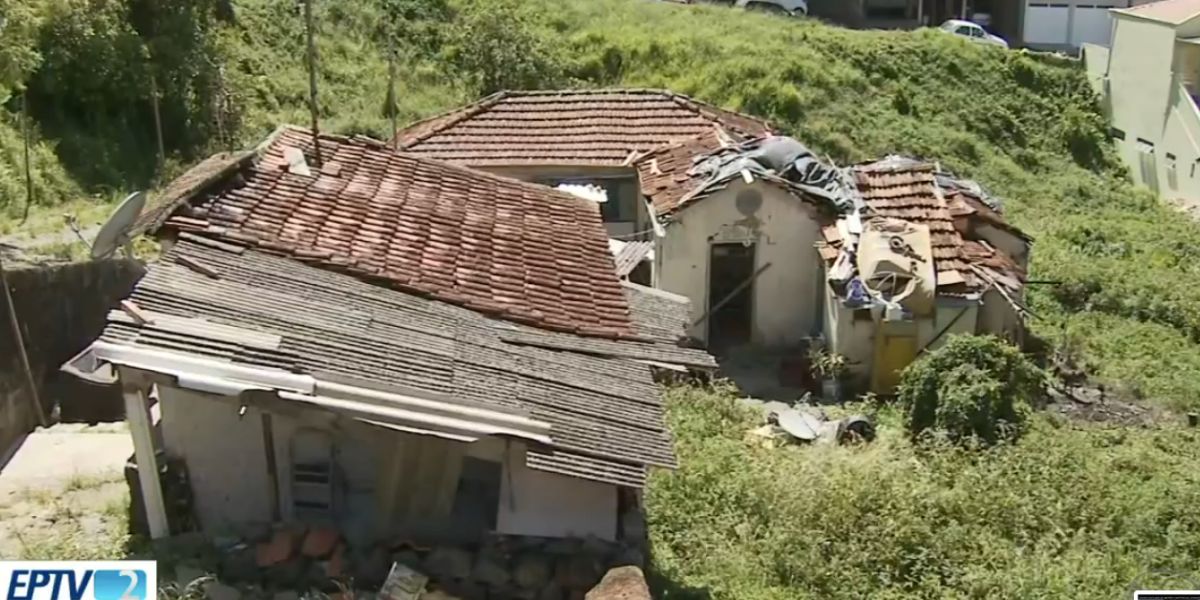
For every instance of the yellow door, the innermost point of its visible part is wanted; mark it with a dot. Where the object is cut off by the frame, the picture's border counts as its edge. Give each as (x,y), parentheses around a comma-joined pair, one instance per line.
(894,350)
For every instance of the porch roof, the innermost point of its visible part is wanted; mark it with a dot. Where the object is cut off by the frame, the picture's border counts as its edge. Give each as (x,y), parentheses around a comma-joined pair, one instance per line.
(589,411)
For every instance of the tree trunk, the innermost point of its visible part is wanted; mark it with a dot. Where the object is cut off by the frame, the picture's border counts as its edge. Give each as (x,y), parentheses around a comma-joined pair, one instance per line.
(28,167)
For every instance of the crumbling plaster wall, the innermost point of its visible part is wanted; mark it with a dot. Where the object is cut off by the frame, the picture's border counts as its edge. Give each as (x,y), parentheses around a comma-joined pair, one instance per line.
(855,338)
(227,467)
(787,296)
(61,309)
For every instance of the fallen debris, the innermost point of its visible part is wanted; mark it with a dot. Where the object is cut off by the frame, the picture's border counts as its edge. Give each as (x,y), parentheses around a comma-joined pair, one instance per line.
(621,583)
(804,423)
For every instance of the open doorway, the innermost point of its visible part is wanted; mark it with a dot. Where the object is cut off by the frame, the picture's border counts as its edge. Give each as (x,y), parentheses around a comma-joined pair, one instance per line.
(730,295)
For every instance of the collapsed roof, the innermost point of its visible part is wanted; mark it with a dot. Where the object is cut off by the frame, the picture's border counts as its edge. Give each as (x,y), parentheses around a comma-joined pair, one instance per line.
(570,127)
(905,189)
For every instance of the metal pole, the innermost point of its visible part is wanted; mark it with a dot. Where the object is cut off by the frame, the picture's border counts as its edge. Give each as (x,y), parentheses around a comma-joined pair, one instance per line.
(20,341)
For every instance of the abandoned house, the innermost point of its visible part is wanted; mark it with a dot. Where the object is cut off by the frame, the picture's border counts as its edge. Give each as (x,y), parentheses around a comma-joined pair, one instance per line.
(747,226)
(754,236)
(588,137)
(392,344)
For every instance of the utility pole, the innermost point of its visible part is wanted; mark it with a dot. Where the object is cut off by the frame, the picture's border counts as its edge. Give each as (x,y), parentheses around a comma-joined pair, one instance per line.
(162,154)
(390,105)
(312,79)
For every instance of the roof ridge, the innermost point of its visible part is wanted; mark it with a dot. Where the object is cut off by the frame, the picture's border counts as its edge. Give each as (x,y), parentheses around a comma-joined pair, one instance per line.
(706,110)
(460,114)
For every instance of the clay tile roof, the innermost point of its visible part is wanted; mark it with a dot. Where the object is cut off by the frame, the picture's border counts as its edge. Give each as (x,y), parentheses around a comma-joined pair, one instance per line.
(569,127)
(1174,12)
(498,246)
(664,172)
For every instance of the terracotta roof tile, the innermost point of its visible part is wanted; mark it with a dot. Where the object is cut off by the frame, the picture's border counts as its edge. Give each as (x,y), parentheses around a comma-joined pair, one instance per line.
(569,127)
(664,172)
(495,245)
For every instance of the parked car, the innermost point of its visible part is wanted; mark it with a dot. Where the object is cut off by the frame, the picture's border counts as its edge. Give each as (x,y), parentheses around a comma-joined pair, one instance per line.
(795,8)
(973,32)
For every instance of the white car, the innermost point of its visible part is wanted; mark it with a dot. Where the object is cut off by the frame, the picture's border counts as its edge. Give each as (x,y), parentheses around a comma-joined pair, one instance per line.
(795,8)
(973,32)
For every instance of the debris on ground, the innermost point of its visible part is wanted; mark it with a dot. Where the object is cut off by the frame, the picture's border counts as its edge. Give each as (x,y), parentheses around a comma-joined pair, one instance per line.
(1095,404)
(807,424)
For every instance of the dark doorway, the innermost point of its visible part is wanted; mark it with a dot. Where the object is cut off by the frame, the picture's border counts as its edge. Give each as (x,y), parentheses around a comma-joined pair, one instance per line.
(730,295)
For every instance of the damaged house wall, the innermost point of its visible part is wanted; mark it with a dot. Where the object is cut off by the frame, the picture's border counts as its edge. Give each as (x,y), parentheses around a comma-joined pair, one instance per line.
(784,229)
(385,481)
(61,309)
(855,333)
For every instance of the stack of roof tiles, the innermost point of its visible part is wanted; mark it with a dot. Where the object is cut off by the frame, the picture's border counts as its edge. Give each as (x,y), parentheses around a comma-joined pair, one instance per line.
(583,127)
(491,244)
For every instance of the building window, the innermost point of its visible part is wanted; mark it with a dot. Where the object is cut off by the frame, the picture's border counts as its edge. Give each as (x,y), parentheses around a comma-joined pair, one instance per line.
(1145,146)
(1116,134)
(478,496)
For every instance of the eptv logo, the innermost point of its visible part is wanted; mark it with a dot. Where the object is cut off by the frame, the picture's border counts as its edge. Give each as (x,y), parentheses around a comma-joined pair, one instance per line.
(79,580)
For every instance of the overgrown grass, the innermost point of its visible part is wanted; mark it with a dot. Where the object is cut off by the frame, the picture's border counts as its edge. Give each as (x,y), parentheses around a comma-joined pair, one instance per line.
(1065,513)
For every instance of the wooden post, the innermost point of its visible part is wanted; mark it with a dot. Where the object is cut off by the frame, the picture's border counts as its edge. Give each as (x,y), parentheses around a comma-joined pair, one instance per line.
(313,107)
(137,412)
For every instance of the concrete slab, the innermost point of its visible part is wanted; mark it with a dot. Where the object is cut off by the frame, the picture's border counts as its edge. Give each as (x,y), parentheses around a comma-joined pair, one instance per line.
(49,458)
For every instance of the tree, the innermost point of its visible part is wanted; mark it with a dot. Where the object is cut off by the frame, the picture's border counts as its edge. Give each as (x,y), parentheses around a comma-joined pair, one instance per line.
(974,389)
(499,46)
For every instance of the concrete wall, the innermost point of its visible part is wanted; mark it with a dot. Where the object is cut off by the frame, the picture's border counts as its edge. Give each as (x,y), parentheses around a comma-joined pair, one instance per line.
(61,309)
(549,505)
(225,456)
(387,481)
(787,295)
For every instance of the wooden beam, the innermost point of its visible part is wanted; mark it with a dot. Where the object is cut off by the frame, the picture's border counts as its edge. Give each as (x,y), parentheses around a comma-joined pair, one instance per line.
(137,413)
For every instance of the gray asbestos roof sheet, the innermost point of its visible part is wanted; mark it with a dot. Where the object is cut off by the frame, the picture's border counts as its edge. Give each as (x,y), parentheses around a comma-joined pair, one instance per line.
(605,413)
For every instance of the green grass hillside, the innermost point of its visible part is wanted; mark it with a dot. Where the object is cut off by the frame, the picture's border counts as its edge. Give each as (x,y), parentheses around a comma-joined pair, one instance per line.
(1065,513)
(1026,127)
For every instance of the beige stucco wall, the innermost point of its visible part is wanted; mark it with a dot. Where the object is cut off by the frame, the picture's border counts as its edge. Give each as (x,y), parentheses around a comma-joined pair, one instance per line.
(855,339)
(786,295)
(225,456)
(380,470)
(1146,99)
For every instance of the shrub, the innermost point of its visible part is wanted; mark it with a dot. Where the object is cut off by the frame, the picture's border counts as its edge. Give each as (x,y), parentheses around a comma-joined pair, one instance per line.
(974,389)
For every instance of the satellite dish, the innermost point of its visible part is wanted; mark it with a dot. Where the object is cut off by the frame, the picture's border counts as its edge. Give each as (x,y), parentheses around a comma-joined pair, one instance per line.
(115,233)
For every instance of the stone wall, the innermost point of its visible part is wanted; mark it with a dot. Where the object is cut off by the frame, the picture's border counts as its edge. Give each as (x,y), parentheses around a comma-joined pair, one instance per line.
(61,309)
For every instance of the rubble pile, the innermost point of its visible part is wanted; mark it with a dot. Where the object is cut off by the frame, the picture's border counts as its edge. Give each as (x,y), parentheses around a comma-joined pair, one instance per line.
(294,561)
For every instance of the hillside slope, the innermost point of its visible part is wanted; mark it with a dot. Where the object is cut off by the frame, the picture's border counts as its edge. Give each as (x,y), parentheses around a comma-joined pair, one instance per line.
(1028,128)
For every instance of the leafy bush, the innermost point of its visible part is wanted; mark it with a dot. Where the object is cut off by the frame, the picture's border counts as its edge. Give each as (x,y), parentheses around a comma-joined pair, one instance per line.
(1072,513)
(973,389)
